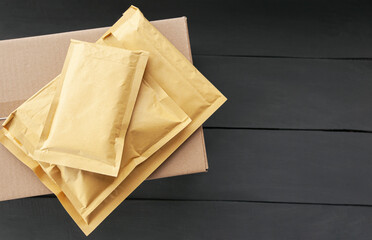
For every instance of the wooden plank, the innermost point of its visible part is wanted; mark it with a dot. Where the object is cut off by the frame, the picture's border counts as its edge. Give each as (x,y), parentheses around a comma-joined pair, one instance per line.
(264,28)
(276,166)
(45,219)
(279,166)
(290,93)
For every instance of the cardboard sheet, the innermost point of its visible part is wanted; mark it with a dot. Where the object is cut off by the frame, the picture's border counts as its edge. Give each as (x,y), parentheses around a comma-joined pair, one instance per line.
(41,58)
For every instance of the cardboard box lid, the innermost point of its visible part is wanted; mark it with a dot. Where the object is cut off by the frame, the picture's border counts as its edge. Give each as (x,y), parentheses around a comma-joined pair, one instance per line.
(39,59)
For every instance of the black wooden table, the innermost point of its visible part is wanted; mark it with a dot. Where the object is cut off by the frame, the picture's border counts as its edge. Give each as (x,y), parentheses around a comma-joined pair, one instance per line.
(290,153)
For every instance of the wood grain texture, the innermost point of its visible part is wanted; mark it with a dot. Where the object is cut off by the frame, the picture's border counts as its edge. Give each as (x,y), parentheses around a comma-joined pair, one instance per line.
(45,219)
(290,93)
(279,166)
(256,27)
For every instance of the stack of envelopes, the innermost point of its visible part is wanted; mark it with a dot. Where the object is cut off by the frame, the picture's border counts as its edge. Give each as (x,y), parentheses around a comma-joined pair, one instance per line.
(118,110)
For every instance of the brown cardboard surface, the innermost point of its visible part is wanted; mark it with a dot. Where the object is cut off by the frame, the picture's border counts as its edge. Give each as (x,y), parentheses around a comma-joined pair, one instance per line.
(39,59)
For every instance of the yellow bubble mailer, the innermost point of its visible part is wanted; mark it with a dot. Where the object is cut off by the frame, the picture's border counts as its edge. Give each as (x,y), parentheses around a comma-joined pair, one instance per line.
(91,109)
(172,92)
